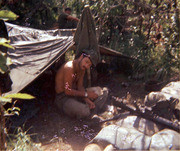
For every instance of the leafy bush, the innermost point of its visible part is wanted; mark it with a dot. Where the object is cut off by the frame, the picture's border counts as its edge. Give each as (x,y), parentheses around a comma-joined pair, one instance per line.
(21,141)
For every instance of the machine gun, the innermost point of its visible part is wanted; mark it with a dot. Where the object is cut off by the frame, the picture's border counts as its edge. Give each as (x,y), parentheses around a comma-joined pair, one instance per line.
(147,114)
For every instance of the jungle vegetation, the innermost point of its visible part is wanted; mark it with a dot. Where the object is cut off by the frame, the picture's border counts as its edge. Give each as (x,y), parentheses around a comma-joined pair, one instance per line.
(147,30)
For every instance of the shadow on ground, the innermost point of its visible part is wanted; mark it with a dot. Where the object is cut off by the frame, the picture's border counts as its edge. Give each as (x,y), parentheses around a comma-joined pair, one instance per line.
(55,131)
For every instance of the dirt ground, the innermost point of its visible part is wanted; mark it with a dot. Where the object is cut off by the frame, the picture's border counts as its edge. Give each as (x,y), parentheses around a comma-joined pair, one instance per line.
(55,131)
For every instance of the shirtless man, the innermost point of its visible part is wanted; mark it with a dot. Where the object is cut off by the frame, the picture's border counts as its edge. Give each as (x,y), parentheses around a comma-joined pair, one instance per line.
(71,96)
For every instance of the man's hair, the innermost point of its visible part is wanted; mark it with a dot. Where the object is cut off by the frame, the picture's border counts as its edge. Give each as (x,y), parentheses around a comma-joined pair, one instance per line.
(68,9)
(86,55)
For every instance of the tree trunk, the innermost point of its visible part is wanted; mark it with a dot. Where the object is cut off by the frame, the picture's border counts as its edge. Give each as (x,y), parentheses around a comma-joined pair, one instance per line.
(2,126)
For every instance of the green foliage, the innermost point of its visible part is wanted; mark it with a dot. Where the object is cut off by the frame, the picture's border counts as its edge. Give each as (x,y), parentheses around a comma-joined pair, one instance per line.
(8,98)
(7,15)
(4,100)
(3,63)
(70,55)
(21,141)
(12,111)
(147,30)
(4,60)
(19,96)
(4,42)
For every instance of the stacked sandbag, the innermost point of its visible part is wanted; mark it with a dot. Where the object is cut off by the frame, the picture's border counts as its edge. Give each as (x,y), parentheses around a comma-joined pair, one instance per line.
(135,133)
(168,97)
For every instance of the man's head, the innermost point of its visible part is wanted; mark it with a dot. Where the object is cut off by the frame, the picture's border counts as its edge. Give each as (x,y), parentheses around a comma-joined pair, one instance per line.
(84,61)
(68,10)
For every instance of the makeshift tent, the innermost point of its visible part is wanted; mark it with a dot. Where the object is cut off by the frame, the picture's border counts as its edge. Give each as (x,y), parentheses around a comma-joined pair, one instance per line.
(36,50)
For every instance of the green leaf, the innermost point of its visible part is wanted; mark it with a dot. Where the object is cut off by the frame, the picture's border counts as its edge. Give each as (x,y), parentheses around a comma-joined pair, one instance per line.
(6,100)
(20,96)
(16,108)
(8,15)
(8,61)
(12,111)
(9,110)
(4,42)
(6,45)
(16,112)
(3,61)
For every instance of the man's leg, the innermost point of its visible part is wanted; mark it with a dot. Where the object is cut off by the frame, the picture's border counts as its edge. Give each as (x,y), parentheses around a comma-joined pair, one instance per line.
(74,108)
(59,101)
(101,100)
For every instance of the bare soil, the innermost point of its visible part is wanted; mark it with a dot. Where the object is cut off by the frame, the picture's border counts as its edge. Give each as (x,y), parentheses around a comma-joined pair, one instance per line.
(55,131)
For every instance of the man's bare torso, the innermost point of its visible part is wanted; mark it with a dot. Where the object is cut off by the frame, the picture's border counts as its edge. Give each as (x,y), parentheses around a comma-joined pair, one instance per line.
(71,82)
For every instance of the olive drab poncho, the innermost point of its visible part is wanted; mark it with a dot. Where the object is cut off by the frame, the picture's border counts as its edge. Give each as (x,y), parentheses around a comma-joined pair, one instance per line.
(85,37)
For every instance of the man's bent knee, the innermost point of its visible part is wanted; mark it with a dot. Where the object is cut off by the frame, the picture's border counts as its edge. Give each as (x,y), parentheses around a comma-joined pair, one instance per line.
(76,109)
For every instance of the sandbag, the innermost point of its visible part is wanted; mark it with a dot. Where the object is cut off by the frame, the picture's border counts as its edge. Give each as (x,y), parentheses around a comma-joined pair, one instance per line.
(142,125)
(169,96)
(165,140)
(135,133)
(123,138)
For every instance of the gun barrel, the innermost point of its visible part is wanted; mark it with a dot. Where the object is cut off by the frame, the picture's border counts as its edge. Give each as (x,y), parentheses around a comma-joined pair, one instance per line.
(157,119)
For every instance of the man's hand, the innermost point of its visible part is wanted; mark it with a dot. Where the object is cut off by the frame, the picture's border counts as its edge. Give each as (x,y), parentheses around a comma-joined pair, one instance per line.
(90,103)
(92,95)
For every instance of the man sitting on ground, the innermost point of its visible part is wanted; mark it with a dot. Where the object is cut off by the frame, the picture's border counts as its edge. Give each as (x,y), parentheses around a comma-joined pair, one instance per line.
(71,96)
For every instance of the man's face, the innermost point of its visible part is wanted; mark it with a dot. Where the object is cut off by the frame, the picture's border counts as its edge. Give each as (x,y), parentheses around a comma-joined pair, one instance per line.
(85,63)
(68,12)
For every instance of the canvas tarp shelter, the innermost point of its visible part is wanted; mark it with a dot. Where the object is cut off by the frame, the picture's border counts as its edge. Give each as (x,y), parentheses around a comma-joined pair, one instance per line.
(35,50)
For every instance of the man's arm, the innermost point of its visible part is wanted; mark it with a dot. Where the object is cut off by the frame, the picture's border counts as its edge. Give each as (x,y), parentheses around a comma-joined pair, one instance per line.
(91,95)
(68,83)
(69,17)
